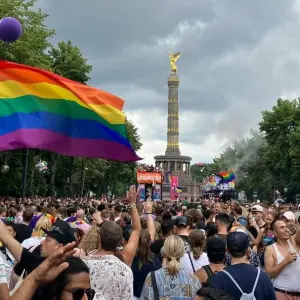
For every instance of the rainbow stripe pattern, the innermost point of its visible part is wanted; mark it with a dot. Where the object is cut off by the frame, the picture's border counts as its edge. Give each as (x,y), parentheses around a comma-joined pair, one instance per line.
(227,176)
(42,110)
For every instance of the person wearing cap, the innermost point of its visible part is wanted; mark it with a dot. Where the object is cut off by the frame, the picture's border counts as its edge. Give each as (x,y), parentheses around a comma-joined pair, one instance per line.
(290,220)
(58,236)
(183,226)
(216,249)
(233,279)
(257,223)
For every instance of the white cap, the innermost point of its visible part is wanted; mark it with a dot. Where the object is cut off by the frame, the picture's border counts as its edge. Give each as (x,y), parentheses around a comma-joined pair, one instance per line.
(257,208)
(290,216)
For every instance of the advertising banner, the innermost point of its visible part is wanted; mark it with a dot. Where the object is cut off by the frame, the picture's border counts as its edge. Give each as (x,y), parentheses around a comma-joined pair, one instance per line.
(142,192)
(149,177)
(174,185)
(168,177)
(157,193)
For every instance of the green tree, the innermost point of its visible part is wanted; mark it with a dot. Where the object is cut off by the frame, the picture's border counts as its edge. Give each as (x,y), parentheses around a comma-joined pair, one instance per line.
(281,127)
(31,48)
(69,62)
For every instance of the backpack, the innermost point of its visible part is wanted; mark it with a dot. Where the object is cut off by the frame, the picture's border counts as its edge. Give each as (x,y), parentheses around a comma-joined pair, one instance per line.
(244,295)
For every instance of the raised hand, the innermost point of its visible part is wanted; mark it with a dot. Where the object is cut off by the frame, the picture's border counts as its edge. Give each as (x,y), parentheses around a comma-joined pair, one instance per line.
(132,195)
(97,218)
(53,265)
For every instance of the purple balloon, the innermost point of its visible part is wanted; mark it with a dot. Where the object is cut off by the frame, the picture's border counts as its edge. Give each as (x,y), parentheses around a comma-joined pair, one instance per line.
(10,30)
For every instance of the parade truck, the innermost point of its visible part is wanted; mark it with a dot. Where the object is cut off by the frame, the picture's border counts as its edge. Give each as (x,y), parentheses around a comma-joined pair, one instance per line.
(221,186)
(150,183)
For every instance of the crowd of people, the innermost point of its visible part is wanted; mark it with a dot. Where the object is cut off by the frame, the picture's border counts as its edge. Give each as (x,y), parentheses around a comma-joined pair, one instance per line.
(123,249)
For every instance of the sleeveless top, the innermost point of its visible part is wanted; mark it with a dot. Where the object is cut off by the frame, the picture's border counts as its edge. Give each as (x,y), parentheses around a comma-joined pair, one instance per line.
(288,279)
(210,275)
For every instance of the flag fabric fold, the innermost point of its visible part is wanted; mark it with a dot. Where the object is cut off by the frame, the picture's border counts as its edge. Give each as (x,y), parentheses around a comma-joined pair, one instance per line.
(39,109)
(226,177)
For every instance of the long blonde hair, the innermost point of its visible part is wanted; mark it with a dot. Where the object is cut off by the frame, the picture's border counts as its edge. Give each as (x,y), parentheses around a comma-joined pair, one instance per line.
(173,250)
(43,222)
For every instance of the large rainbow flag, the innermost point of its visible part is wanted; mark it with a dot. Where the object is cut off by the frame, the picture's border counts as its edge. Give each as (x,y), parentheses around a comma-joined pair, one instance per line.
(39,109)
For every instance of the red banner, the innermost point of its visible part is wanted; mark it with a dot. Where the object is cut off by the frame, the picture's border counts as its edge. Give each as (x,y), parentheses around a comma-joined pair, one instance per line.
(174,185)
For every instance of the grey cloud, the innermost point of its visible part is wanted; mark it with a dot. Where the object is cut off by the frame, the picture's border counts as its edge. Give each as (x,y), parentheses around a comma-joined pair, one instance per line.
(237,56)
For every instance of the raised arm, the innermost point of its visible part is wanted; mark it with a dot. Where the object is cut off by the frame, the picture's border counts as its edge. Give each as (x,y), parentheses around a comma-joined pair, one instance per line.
(150,223)
(11,244)
(129,250)
(44,273)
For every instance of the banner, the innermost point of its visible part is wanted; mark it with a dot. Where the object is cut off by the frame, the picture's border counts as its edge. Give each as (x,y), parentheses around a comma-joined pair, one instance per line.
(149,177)
(168,177)
(157,193)
(174,185)
(142,192)
(211,184)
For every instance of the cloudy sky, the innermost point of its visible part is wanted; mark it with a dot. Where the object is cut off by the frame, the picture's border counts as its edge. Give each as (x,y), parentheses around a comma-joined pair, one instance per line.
(237,58)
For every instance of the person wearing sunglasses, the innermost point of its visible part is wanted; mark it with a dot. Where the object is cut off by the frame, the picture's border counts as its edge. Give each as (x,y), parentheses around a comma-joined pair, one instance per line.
(62,276)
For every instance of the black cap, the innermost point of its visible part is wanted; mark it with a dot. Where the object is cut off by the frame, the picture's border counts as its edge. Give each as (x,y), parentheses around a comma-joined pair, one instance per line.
(181,221)
(61,232)
(237,242)
(215,245)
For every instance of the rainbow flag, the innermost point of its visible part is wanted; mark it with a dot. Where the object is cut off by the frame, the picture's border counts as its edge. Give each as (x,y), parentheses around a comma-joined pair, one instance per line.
(39,109)
(227,176)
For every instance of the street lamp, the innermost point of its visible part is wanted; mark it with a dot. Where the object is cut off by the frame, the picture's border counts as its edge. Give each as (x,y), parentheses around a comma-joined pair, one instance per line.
(5,167)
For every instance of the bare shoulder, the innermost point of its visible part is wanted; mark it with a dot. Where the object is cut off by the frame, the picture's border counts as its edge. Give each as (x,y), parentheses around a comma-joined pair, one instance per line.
(269,249)
(270,256)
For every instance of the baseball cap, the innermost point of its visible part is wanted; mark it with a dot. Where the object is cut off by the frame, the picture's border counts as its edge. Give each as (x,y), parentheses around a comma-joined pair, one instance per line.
(242,221)
(290,216)
(216,244)
(237,242)
(181,221)
(62,232)
(257,208)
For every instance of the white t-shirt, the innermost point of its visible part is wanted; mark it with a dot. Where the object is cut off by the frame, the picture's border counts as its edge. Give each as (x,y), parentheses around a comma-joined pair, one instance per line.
(185,262)
(3,275)
(6,266)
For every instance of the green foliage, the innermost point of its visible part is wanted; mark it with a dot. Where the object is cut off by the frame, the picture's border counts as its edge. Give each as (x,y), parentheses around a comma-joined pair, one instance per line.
(68,61)
(31,48)
(269,159)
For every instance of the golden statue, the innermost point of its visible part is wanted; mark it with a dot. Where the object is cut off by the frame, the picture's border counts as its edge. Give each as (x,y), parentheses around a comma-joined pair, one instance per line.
(173,58)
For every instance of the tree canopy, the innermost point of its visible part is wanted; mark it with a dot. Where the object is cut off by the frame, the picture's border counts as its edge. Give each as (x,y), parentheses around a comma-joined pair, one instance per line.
(269,158)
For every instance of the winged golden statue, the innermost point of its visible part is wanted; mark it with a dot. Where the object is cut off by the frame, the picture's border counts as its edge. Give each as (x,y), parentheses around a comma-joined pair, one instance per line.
(173,58)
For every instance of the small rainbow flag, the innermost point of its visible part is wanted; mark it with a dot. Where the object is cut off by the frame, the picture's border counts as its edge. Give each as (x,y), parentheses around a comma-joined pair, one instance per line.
(227,176)
(39,109)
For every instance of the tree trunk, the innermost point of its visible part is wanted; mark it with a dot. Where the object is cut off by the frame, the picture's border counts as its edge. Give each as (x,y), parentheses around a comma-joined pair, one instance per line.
(32,173)
(53,174)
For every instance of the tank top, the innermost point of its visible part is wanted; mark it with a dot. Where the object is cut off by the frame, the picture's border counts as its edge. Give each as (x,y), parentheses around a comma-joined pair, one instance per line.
(288,279)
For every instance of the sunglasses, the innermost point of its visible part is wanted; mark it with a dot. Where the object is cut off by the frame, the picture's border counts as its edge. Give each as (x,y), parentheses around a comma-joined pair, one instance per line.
(79,293)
